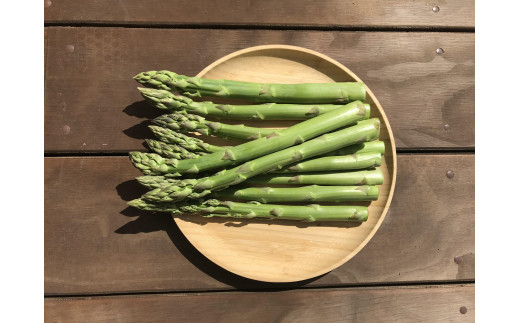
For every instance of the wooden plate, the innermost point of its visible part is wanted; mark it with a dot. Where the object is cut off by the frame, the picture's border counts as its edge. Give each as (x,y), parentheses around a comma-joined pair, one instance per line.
(284,251)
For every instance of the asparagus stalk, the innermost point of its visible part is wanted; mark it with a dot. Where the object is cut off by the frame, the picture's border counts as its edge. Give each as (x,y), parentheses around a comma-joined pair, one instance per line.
(225,209)
(342,92)
(312,193)
(190,122)
(171,151)
(327,163)
(189,143)
(351,157)
(364,177)
(364,131)
(330,163)
(165,100)
(295,134)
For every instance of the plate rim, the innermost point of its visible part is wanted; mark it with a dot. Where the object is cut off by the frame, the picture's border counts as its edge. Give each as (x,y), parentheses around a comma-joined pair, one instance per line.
(376,227)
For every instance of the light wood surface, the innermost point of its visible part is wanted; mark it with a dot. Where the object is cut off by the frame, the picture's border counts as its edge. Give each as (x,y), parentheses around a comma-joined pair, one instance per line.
(95,243)
(93,105)
(266,13)
(388,304)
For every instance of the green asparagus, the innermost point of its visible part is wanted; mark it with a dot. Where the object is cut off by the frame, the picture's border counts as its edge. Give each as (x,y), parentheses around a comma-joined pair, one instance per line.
(312,193)
(365,130)
(330,163)
(317,164)
(276,141)
(339,92)
(225,209)
(189,143)
(363,177)
(190,122)
(165,100)
(171,151)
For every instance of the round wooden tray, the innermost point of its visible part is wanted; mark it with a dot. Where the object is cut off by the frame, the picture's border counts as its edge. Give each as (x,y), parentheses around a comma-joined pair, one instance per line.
(285,251)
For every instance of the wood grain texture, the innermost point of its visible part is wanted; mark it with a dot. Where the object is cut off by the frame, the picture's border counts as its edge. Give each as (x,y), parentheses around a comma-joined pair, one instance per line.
(95,244)
(91,101)
(390,304)
(396,13)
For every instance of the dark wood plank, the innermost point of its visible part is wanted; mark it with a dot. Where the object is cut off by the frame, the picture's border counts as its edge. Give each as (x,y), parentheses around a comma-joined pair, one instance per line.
(95,244)
(91,101)
(390,304)
(400,13)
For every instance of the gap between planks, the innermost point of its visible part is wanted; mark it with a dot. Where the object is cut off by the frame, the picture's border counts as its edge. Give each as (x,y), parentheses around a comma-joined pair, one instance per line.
(448,29)
(422,151)
(365,286)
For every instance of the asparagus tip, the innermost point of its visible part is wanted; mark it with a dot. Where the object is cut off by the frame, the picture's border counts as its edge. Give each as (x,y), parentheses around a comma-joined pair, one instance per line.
(135,203)
(144,76)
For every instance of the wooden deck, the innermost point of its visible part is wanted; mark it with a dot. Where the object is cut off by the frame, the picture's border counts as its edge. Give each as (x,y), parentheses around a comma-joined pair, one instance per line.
(107,262)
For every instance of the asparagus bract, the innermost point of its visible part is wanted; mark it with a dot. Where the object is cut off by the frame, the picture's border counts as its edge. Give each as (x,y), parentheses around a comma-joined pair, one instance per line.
(366,130)
(276,141)
(340,92)
(189,122)
(216,208)
(313,193)
(166,100)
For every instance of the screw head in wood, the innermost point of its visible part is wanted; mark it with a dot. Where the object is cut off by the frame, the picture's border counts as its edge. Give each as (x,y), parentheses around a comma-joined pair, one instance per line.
(69,48)
(439,51)
(463,310)
(47,3)
(436,9)
(450,174)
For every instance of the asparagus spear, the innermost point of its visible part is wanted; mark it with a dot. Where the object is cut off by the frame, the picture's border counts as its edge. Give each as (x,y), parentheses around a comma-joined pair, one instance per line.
(358,156)
(171,151)
(216,208)
(364,177)
(342,92)
(165,100)
(330,163)
(364,131)
(318,164)
(190,122)
(189,143)
(295,134)
(312,193)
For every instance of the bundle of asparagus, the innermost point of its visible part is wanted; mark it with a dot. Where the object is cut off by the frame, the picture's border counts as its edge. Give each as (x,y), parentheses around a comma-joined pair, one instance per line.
(331,155)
